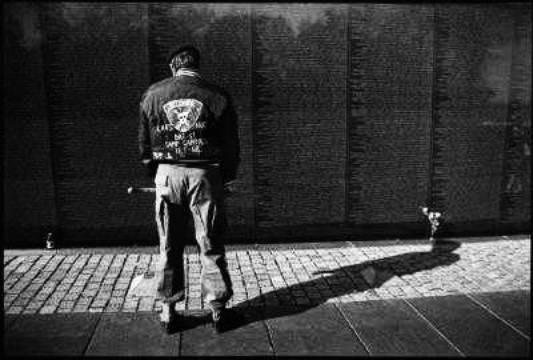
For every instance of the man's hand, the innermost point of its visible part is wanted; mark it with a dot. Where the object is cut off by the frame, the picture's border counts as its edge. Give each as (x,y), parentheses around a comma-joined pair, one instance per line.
(150,167)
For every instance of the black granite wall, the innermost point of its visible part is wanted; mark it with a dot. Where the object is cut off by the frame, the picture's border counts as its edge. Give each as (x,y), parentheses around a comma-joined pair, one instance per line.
(390,111)
(29,196)
(351,116)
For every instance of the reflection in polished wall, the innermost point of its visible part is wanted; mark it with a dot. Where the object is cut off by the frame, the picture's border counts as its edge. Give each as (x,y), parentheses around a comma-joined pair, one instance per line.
(352,116)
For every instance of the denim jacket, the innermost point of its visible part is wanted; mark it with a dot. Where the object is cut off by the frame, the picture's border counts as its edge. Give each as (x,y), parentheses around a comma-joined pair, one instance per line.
(187,120)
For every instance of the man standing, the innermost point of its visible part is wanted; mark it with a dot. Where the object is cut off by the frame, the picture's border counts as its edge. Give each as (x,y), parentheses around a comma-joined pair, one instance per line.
(188,139)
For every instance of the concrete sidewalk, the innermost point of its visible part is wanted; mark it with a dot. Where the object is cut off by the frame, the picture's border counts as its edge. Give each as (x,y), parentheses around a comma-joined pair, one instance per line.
(342,298)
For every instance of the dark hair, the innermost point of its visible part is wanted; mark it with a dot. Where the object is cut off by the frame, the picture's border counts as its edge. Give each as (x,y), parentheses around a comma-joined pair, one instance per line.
(184,57)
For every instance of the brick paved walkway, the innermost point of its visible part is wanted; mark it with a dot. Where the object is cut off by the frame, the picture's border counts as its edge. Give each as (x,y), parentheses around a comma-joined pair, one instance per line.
(296,274)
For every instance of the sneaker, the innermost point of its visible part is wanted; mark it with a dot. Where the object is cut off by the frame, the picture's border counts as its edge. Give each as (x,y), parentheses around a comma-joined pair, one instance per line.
(169,319)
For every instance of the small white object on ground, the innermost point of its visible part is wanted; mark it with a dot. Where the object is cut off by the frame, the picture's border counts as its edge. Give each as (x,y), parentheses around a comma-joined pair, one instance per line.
(143,285)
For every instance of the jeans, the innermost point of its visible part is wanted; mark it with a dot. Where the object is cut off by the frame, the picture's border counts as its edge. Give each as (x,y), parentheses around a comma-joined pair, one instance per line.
(181,192)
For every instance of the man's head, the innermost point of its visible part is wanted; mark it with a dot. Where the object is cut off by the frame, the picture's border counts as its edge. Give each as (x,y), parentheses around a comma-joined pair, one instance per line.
(185,57)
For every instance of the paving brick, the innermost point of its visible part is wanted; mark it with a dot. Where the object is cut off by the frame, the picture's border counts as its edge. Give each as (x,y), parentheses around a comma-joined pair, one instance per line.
(13,261)
(117,298)
(90,293)
(80,308)
(92,285)
(47,309)
(117,293)
(63,287)
(30,310)
(69,280)
(21,302)
(113,307)
(42,296)
(146,304)
(84,300)
(26,294)
(15,310)
(98,302)
(67,304)
(64,310)
(75,290)
(129,309)
(58,294)
(103,293)
(106,288)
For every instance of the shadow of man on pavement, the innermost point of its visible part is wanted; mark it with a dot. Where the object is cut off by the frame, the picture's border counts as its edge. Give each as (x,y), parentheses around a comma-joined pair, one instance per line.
(344,280)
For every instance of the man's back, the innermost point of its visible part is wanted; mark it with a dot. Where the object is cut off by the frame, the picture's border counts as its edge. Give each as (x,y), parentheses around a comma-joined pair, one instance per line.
(187,119)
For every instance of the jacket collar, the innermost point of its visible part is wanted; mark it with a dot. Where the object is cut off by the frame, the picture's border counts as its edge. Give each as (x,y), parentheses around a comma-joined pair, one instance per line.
(188,72)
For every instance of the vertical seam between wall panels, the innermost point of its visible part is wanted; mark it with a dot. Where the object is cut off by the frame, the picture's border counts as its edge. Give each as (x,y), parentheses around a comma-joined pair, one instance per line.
(3,129)
(147,44)
(503,198)
(434,92)
(151,70)
(255,194)
(347,174)
(42,9)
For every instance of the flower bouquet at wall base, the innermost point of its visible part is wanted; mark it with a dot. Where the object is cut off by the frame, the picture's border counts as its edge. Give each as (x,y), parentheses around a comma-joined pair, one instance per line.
(434,219)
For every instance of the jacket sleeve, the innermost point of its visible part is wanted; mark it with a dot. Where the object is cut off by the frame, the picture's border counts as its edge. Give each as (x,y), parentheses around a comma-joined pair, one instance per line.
(230,143)
(144,141)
